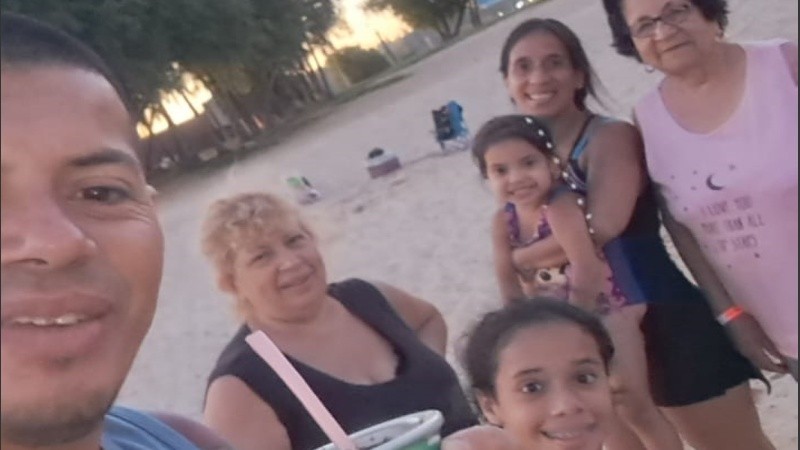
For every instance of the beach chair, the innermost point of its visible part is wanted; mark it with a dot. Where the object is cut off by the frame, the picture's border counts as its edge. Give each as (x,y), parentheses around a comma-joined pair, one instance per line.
(450,127)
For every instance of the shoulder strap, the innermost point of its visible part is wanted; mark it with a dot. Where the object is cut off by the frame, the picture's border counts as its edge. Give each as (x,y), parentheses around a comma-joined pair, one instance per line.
(512,222)
(575,174)
(367,302)
(240,361)
(585,135)
(770,53)
(581,139)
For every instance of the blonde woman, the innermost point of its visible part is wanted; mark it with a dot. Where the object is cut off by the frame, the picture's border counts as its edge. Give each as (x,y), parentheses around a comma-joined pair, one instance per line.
(370,351)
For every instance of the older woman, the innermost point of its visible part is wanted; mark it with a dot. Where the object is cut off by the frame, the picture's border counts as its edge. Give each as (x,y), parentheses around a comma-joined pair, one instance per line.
(371,352)
(720,134)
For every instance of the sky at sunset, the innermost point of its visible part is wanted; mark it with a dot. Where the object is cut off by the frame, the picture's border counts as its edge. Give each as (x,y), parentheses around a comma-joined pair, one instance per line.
(362,30)
(363,26)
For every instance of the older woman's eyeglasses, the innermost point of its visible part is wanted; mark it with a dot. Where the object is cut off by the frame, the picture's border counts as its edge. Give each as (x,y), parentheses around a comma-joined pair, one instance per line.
(671,14)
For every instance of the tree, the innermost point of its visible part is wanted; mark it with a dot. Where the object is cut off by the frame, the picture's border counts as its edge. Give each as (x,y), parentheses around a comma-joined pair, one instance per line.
(474,13)
(127,33)
(319,16)
(252,54)
(150,43)
(444,16)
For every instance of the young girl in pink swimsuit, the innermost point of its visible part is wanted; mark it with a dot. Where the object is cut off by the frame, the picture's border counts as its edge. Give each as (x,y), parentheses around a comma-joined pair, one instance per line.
(514,154)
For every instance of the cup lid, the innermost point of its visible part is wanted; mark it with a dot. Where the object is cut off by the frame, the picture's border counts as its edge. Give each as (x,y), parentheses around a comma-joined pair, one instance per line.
(414,427)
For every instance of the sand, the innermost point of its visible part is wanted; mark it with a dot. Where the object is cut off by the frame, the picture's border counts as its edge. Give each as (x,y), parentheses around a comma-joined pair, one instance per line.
(424,228)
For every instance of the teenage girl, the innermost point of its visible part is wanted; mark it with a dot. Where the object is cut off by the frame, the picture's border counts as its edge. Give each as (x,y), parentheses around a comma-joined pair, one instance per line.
(539,370)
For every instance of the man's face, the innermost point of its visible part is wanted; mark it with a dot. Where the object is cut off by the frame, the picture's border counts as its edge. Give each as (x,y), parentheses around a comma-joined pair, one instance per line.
(82,253)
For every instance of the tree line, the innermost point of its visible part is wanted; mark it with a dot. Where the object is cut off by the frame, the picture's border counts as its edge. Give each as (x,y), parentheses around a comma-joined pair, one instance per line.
(233,46)
(253,55)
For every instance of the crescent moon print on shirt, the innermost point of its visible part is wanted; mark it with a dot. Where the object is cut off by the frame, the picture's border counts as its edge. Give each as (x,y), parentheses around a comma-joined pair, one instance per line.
(711,185)
(712,180)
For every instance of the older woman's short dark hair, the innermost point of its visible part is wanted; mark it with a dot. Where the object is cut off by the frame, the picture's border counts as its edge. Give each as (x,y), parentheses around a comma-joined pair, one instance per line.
(712,11)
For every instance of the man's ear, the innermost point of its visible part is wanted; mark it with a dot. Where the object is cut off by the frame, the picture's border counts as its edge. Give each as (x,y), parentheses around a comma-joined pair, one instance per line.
(489,408)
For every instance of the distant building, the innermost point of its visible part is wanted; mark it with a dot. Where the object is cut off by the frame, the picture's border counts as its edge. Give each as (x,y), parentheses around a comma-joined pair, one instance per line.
(337,81)
(414,44)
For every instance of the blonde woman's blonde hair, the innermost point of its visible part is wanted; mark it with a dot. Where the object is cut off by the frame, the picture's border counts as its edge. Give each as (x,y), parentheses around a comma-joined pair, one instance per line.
(233,222)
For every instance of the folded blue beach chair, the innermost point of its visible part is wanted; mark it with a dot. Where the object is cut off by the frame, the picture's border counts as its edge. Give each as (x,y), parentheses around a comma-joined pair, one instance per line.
(449,123)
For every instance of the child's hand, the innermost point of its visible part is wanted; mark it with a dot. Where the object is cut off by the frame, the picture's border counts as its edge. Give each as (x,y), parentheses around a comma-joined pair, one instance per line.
(588,285)
(481,437)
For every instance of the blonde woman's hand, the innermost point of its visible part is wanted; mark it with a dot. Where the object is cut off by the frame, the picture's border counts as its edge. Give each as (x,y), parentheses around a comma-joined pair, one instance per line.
(481,437)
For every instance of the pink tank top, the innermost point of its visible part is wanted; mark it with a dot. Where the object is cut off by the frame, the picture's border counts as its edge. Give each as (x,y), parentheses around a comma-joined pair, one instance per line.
(735,188)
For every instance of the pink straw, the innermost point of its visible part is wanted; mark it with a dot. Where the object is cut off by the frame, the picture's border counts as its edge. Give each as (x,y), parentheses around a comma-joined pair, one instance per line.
(270,353)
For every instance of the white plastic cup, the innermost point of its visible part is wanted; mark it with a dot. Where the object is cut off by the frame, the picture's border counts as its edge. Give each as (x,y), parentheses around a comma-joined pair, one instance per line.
(416,431)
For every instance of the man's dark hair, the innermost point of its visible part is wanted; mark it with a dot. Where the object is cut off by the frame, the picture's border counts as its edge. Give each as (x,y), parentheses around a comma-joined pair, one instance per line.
(29,42)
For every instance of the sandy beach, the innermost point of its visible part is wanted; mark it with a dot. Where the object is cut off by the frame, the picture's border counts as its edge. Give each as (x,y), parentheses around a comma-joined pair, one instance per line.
(424,228)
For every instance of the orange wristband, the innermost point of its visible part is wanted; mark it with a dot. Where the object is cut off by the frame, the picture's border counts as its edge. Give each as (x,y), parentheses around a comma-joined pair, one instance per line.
(729,315)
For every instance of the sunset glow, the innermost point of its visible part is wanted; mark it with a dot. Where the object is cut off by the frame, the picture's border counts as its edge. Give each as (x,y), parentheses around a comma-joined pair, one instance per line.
(364,26)
(362,29)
